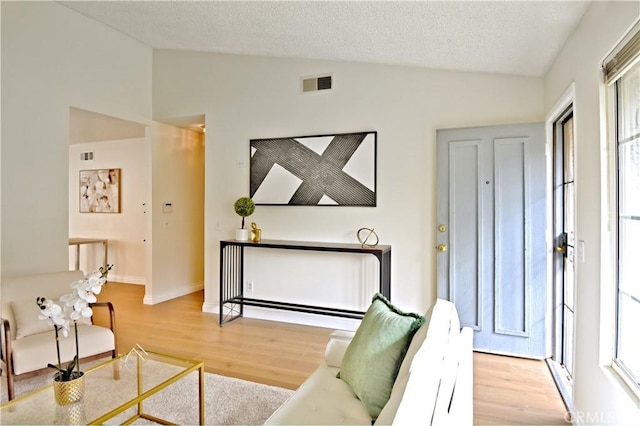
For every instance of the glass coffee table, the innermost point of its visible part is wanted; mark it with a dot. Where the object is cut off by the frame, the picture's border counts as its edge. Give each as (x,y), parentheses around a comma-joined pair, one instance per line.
(117,389)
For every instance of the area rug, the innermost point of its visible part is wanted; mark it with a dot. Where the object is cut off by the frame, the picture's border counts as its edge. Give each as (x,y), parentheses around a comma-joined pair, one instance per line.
(228,401)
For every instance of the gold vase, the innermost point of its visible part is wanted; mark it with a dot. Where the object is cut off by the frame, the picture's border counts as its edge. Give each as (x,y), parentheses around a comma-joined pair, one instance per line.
(70,391)
(72,414)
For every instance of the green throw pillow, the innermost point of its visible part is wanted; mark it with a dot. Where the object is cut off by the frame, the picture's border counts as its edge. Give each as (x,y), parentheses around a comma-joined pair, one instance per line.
(373,358)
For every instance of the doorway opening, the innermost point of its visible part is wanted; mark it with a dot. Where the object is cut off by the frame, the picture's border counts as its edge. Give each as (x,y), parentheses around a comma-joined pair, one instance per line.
(100,144)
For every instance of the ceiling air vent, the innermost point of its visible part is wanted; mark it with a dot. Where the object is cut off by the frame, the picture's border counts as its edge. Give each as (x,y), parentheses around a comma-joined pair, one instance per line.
(317,83)
(85,156)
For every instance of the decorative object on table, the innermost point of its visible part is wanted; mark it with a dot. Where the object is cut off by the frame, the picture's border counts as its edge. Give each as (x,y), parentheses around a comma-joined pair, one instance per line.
(244,206)
(68,382)
(100,191)
(368,237)
(139,352)
(327,170)
(256,233)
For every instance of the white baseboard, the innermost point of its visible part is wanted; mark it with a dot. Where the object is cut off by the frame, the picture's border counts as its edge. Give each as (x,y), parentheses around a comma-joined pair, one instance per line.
(211,308)
(128,279)
(175,292)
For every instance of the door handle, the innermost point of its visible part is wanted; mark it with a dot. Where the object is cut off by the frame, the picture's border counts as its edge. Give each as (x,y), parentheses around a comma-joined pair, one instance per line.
(561,248)
(441,248)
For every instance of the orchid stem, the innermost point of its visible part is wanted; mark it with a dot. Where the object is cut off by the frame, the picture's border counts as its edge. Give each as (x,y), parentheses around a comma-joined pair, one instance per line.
(58,348)
(75,326)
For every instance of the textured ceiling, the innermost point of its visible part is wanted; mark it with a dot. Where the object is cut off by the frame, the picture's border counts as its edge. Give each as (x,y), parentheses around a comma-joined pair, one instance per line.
(507,37)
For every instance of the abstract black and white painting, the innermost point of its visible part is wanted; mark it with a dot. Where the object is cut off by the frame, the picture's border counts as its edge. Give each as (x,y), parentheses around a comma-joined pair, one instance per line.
(324,170)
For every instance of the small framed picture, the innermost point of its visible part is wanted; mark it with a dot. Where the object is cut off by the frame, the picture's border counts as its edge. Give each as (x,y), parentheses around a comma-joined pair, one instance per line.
(100,191)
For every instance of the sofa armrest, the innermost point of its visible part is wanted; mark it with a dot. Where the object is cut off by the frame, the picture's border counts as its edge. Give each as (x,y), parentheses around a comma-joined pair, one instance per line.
(339,340)
(342,335)
(112,320)
(461,407)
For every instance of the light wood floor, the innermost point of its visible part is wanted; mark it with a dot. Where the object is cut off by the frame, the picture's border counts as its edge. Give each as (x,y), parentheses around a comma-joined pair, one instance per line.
(507,390)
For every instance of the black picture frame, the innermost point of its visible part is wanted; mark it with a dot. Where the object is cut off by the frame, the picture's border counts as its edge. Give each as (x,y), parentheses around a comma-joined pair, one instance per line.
(319,170)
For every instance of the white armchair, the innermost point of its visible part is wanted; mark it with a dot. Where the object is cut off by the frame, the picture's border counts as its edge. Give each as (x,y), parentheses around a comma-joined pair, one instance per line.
(28,343)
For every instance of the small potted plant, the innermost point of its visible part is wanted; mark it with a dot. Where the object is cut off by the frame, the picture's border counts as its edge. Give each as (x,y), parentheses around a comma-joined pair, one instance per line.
(244,206)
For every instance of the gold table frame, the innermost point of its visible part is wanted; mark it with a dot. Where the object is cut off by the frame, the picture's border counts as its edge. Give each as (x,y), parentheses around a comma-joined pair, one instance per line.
(33,400)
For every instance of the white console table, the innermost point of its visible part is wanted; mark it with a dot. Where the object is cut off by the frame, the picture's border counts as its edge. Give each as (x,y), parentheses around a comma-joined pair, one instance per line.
(79,241)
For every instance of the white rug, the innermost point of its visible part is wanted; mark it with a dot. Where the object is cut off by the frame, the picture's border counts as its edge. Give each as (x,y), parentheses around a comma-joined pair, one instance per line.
(228,401)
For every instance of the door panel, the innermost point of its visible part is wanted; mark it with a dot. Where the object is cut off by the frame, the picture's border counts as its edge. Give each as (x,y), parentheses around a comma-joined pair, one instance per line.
(464,211)
(491,197)
(510,245)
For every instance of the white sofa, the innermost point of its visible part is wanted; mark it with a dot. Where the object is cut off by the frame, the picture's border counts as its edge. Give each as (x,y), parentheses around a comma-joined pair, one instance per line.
(434,384)
(28,343)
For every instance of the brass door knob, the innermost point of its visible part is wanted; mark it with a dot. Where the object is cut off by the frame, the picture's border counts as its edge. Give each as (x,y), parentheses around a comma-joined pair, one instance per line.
(441,247)
(561,249)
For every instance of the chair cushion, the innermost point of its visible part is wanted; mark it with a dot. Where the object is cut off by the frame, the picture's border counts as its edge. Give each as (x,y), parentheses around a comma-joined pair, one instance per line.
(373,358)
(36,351)
(26,313)
(24,289)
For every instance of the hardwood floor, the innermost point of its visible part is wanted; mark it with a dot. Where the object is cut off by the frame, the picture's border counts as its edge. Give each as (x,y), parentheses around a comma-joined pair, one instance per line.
(507,390)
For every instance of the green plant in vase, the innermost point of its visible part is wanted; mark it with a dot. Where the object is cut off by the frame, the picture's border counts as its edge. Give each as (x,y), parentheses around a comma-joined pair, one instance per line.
(244,207)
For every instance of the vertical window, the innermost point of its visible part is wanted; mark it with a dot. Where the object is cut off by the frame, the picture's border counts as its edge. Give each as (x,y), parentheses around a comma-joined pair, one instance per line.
(622,74)
(628,184)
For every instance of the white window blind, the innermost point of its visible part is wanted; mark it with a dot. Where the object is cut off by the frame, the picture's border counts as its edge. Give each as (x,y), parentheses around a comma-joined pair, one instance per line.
(623,57)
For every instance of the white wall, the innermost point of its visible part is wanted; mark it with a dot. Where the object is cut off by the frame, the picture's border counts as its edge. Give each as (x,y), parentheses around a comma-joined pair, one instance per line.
(125,230)
(598,397)
(177,243)
(249,97)
(54,58)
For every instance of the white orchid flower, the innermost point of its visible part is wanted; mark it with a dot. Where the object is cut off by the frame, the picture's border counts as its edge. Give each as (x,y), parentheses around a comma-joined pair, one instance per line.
(49,308)
(68,299)
(51,311)
(75,315)
(77,284)
(94,279)
(74,306)
(87,296)
(65,329)
(63,325)
(54,313)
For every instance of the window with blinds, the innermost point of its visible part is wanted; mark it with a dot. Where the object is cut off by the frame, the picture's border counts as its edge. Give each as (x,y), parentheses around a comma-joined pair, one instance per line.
(622,75)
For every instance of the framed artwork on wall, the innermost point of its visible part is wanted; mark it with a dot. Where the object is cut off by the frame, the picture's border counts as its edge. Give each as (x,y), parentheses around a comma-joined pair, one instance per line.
(100,191)
(323,170)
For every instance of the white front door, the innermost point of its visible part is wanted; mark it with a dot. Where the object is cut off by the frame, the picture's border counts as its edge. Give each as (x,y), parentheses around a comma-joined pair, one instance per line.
(491,253)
